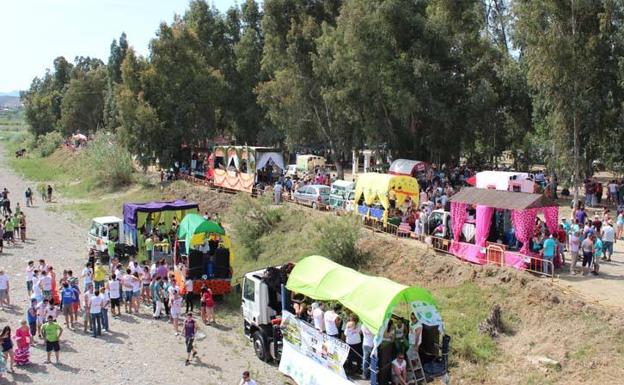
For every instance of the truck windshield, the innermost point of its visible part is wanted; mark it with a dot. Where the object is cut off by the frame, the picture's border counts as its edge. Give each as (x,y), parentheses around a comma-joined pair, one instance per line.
(94,229)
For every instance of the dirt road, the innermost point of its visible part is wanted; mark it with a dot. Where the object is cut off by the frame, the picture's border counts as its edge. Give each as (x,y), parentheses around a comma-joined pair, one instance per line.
(606,288)
(138,349)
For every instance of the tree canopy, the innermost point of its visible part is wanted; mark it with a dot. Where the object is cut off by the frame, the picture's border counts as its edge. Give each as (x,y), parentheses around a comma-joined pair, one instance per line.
(435,80)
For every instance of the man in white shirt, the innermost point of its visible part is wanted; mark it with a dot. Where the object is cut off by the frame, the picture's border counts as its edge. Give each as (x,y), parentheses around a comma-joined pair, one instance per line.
(95,311)
(114,293)
(332,321)
(246,380)
(46,284)
(608,238)
(399,370)
(105,305)
(317,316)
(4,289)
(30,271)
(87,276)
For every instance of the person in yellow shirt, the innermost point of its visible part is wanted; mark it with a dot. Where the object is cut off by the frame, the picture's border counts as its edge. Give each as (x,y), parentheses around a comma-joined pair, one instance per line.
(99,275)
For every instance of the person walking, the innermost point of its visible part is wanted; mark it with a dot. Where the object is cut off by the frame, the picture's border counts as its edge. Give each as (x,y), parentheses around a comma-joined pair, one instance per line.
(95,311)
(23,340)
(176,309)
(575,244)
(190,329)
(49,191)
(52,332)
(7,346)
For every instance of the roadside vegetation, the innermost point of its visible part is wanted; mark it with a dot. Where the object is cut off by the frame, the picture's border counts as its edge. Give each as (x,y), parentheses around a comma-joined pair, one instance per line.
(93,181)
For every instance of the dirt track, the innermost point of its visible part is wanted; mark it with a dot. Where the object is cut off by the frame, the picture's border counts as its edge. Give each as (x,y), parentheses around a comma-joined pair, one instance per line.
(139,349)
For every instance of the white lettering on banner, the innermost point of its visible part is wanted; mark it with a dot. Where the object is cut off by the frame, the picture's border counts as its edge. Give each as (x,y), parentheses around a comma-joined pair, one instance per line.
(325,351)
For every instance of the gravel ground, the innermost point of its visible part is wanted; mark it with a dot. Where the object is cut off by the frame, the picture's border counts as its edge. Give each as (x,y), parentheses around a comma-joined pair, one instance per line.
(138,349)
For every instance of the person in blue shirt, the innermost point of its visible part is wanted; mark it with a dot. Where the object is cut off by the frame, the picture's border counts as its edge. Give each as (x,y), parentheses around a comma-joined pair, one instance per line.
(598,250)
(549,250)
(68,298)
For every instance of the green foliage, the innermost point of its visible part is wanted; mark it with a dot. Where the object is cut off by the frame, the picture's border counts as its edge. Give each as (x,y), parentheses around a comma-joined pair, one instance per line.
(106,163)
(252,219)
(49,143)
(83,103)
(338,237)
(463,308)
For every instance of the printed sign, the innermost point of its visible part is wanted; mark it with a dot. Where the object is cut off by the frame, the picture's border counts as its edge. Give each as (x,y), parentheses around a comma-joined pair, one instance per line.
(329,352)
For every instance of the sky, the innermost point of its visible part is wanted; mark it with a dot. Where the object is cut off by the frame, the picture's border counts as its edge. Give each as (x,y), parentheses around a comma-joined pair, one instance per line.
(34,32)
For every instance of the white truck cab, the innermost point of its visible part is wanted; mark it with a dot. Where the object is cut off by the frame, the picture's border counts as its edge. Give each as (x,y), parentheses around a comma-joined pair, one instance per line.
(261,307)
(104,229)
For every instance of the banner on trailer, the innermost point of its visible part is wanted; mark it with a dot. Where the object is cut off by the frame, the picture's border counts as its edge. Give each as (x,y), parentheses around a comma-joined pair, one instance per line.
(328,352)
(305,371)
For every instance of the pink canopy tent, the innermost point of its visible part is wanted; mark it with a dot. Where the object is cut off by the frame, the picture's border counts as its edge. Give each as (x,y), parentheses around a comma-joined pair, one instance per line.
(524,209)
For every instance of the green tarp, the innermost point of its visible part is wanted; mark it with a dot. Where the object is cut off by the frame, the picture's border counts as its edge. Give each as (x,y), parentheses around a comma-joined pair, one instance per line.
(196,224)
(371,298)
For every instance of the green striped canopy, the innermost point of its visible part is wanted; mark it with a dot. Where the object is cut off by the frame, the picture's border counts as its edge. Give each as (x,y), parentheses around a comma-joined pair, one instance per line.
(371,298)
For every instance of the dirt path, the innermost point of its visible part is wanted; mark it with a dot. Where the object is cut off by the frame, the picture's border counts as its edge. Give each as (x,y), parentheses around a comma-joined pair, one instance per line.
(138,348)
(606,288)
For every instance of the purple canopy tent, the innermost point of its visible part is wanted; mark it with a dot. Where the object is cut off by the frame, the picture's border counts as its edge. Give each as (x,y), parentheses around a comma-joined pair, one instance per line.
(131,211)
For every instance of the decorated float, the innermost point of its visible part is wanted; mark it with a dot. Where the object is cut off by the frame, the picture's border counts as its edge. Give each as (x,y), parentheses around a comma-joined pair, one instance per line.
(241,167)
(207,266)
(141,218)
(371,193)
(497,226)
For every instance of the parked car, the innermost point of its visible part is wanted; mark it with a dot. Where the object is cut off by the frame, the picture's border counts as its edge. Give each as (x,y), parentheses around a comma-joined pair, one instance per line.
(315,196)
(340,190)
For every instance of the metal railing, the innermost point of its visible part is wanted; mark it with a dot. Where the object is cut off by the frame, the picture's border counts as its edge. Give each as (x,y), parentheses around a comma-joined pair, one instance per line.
(536,265)
(495,254)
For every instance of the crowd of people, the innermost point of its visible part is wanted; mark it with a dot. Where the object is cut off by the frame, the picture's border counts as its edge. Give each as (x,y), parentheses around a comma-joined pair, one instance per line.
(401,339)
(92,305)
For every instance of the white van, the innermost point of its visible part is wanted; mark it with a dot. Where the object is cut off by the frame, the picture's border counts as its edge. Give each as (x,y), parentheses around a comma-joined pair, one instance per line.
(104,229)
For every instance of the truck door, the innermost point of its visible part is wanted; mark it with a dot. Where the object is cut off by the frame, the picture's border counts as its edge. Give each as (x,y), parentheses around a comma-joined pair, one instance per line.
(249,305)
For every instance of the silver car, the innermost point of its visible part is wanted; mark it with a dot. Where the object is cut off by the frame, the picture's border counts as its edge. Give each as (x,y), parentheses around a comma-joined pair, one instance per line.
(315,195)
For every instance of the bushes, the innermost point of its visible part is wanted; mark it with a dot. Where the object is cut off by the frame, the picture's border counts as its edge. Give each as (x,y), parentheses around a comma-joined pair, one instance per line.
(107,163)
(338,237)
(48,143)
(251,220)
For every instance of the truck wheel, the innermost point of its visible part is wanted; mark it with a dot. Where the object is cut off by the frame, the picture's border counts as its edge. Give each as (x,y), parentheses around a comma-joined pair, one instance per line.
(260,346)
